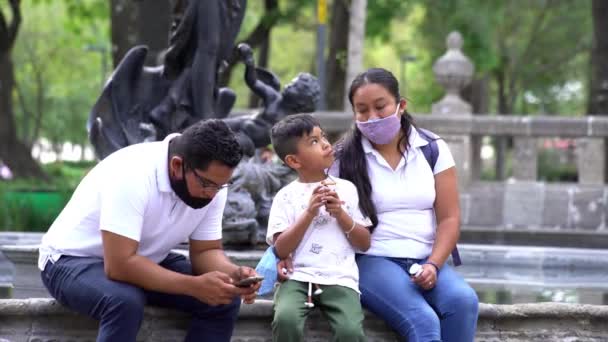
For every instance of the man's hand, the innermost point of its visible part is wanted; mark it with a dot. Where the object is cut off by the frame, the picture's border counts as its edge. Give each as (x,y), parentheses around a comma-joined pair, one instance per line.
(215,288)
(248,294)
(284,269)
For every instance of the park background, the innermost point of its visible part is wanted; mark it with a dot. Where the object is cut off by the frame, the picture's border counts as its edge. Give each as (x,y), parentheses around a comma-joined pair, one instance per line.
(539,57)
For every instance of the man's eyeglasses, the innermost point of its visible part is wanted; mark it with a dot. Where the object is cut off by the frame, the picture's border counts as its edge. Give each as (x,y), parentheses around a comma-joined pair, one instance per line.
(209,184)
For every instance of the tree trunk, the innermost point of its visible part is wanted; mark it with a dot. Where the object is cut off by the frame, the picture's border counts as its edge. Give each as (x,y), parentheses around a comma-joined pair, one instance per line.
(478,95)
(356,40)
(270,7)
(598,95)
(139,23)
(256,39)
(153,25)
(500,142)
(598,90)
(12,151)
(335,66)
(123,18)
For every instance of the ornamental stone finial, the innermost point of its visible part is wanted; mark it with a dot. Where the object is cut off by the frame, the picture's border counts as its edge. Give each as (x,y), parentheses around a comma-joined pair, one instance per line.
(453,71)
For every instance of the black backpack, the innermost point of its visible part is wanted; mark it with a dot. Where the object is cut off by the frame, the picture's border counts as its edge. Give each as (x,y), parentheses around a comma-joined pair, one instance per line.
(431,153)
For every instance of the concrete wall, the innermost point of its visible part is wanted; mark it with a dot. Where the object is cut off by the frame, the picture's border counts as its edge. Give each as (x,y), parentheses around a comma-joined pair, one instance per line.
(44,320)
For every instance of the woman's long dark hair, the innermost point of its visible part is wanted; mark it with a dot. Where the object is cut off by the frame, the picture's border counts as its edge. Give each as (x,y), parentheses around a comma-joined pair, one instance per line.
(353,162)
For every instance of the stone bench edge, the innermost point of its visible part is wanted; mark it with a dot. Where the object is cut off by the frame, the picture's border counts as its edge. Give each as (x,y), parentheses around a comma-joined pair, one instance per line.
(263,308)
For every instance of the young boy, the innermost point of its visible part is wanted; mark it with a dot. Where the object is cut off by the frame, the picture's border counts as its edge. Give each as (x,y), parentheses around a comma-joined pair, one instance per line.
(321,230)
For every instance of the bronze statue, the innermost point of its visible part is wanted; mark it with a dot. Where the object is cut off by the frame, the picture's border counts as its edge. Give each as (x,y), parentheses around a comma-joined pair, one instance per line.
(140,103)
(301,95)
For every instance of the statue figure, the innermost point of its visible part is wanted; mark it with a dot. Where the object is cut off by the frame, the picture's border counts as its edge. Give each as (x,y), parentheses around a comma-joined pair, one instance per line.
(301,95)
(255,182)
(140,103)
(249,199)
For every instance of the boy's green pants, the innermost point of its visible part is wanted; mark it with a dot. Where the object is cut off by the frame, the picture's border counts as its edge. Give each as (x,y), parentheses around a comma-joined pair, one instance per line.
(339,304)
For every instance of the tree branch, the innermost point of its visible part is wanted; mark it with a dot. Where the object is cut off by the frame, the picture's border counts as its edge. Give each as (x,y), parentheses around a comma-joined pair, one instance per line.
(26,111)
(270,18)
(13,28)
(516,62)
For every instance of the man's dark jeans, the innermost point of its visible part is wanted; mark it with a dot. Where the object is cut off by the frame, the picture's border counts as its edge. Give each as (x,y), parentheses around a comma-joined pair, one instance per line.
(81,284)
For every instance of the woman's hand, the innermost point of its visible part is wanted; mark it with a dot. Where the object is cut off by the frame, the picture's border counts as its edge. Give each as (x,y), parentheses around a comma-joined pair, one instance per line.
(428,278)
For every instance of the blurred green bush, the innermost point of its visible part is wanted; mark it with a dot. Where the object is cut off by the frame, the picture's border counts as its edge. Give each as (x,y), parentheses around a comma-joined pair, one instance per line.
(555,166)
(33,205)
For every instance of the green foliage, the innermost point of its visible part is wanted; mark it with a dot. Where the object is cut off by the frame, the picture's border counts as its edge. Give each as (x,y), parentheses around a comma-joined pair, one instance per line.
(58,82)
(30,211)
(31,205)
(551,167)
(522,42)
(381,13)
(59,76)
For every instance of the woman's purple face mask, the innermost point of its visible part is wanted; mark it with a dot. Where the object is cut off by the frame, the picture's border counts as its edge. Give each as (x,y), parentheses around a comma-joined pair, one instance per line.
(381,131)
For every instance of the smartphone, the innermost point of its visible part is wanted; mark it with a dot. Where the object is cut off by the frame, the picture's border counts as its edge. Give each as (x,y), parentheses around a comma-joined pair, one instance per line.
(248,281)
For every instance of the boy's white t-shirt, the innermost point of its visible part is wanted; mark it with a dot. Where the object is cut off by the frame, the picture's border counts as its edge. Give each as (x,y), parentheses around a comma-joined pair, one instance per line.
(324,256)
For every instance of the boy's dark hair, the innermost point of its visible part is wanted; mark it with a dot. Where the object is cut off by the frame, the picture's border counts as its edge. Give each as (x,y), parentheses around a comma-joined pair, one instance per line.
(286,133)
(206,141)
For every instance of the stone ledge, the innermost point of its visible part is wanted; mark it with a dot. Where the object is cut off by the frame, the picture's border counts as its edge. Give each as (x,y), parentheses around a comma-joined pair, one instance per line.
(263,308)
(485,124)
(43,319)
(560,267)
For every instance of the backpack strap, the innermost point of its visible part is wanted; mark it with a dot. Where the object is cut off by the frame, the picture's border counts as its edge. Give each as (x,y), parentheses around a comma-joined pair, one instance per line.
(430,150)
(431,153)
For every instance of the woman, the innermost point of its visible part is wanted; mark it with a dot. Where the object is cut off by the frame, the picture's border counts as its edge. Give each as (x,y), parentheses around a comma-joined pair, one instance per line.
(415,215)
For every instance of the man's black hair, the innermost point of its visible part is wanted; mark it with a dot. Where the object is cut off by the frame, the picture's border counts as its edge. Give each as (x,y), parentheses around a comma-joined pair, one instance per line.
(286,133)
(206,141)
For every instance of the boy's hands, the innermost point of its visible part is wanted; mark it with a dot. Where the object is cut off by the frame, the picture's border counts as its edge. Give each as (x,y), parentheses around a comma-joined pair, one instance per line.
(284,268)
(317,200)
(333,204)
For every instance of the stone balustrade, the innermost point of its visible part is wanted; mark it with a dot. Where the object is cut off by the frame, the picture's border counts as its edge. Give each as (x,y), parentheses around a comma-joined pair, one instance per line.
(44,320)
(522,210)
(590,132)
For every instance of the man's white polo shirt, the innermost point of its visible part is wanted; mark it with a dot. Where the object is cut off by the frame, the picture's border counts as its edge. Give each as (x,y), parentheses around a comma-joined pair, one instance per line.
(129,193)
(404,199)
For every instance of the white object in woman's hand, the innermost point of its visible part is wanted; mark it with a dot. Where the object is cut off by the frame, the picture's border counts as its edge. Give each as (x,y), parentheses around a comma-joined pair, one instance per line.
(415,270)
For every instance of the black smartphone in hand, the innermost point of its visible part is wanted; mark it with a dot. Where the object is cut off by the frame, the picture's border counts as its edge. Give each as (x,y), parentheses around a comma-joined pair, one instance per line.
(246,282)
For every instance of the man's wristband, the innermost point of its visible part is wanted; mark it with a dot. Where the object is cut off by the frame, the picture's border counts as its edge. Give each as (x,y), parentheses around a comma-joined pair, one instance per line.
(433,264)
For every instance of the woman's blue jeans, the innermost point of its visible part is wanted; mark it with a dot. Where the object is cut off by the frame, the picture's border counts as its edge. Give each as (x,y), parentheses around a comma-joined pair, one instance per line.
(81,284)
(448,312)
